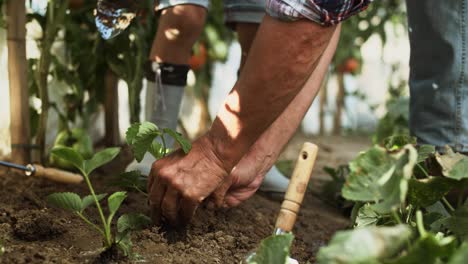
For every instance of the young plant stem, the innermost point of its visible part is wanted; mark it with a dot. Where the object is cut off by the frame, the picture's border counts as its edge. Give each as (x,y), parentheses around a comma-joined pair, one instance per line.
(90,223)
(140,190)
(164,145)
(446,203)
(420,224)
(107,233)
(396,217)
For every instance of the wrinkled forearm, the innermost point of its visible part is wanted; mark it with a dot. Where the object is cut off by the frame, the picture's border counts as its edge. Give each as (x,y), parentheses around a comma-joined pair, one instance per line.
(283,56)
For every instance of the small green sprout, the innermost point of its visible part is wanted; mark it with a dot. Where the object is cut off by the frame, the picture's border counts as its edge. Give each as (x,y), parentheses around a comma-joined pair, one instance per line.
(72,201)
(141,137)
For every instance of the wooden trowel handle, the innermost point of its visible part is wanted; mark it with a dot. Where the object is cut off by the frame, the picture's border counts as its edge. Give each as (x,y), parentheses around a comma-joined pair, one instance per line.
(57,175)
(297,187)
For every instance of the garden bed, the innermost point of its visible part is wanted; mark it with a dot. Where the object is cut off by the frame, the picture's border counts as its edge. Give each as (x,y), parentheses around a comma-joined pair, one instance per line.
(32,232)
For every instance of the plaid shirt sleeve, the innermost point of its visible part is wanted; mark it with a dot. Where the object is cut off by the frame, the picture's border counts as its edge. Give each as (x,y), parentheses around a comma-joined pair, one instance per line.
(324,12)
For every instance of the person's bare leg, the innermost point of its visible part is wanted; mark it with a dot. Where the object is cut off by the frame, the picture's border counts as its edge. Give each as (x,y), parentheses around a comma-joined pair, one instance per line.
(166,72)
(178,29)
(263,153)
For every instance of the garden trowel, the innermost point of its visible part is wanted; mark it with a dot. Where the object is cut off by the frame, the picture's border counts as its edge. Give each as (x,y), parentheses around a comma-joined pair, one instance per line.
(294,194)
(37,170)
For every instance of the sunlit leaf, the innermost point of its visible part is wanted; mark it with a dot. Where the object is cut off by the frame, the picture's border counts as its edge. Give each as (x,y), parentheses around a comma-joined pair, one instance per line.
(364,245)
(273,250)
(70,155)
(100,158)
(183,142)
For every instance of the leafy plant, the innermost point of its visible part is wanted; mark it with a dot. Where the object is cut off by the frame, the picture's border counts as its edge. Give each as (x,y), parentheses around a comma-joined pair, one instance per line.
(401,213)
(72,201)
(147,137)
(273,250)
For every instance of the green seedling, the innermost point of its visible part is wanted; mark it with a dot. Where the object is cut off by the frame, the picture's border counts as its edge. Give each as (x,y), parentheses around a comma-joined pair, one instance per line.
(142,138)
(72,201)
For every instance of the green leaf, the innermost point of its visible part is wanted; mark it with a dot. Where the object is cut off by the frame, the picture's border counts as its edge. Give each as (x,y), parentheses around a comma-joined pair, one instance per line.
(424,152)
(100,158)
(183,142)
(381,177)
(429,249)
(115,200)
(457,223)
(67,200)
(367,217)
(461,255)
(70,155)
(131,179)
(273,250)
(89,199)
(425,192)
(131,133)
(132,222)
(364,245)
(124,242)
(157,150)
(140,138)
(454,165)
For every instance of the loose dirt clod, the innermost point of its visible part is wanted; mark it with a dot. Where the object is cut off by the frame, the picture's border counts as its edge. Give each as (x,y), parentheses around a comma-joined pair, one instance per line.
(36,225)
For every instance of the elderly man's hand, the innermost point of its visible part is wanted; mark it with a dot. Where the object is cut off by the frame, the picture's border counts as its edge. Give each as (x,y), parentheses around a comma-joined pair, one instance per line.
(179,183)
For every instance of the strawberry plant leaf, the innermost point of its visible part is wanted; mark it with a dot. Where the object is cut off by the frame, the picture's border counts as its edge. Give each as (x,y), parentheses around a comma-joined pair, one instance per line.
(115,200)
(424,152)
(89,199)
(124,242)
(183,142)
(140,137)
(131,222)
(454,165)
(428,249)
(70,155)
(367,217)
(380,177)
(457,223)
(425,192)
(132,180)
(100,158)
(66,200)
(131,133)
(365,245)
(273,250)
(157,150)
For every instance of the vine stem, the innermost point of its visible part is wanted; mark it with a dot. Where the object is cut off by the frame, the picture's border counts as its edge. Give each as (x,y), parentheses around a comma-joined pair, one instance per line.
(107,233)
(396,217)
(420,223)
(449,206)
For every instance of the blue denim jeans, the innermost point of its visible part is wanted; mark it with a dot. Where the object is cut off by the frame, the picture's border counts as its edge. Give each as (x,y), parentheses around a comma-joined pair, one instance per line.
(439,72)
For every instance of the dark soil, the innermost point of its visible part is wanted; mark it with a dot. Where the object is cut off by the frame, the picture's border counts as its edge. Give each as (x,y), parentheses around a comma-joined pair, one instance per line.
(31,232)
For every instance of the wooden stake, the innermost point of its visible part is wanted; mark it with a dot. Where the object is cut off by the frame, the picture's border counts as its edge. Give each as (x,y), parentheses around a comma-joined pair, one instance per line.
(339,105)
(111,108)
(18,79)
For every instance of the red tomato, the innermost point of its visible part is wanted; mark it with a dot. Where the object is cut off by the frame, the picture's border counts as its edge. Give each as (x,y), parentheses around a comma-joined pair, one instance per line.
(198,59)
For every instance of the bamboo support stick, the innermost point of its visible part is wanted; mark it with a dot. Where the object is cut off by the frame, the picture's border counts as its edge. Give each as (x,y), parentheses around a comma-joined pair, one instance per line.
(18,81)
